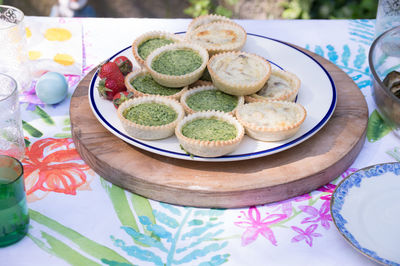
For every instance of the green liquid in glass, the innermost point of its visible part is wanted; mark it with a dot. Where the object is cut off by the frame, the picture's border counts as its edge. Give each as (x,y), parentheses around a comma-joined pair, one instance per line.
(14,218)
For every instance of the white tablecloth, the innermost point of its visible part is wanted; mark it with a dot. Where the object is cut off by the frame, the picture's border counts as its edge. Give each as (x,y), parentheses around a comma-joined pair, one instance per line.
(79,218)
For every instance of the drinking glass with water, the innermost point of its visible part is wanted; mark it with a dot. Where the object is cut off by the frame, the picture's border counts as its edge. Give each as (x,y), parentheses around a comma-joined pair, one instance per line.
(11,135)
(14,217)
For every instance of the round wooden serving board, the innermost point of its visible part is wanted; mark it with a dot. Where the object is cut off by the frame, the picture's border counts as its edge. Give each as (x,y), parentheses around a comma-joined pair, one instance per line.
(276,177)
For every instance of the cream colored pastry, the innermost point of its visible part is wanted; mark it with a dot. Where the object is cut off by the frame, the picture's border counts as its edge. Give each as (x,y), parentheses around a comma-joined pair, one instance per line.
(281,86)
(209,139)
(160,37)
(150,125)
(219,37)
(271,121)
(239,73)
(177,65)
(149,86)
(205,19)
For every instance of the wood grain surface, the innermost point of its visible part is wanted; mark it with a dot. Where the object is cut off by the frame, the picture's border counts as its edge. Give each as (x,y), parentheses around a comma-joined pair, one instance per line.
(293,172)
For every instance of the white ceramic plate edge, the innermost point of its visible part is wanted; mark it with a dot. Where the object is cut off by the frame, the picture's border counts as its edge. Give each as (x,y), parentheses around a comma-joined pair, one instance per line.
(337,201)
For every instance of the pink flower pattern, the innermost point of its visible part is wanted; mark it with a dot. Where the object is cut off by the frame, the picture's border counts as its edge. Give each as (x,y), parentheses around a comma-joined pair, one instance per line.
(256,226)
(306,235)
(285,211)
(328,188)
(322,215)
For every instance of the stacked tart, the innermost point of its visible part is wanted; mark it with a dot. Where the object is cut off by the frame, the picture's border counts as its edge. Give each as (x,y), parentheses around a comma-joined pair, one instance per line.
(206,91)
(148,42)
(141,83)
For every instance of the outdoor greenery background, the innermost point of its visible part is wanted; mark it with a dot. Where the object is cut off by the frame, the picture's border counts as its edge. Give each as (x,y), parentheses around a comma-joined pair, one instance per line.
(295,9)
(245,9)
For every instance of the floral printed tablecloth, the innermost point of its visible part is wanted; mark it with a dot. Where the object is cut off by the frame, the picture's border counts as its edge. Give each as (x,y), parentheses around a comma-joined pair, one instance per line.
(78,218)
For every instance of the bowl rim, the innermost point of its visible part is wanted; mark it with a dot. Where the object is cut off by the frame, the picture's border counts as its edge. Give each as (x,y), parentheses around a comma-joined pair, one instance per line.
(372,68)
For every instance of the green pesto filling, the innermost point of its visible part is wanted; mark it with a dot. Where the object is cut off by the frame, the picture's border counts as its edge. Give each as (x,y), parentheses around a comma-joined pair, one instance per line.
(150,45)
(212,100)
(150,114)
(177,62)
(211,129)
(146,84)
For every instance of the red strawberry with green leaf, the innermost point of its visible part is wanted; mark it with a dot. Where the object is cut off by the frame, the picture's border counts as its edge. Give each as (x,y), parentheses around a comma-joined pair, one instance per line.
(121,97)
(109,87)
(124,64)
(110,70)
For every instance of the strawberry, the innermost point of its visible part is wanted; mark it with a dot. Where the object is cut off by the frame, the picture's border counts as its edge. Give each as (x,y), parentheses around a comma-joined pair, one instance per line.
(124,64)
(110,70)
(121,97)
(109,87)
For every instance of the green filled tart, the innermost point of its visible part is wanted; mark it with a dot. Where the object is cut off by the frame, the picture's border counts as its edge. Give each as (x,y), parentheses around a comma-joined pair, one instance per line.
(209,133)
(150,117)
(149,41)
(177,65)
(141,83)
(204,98)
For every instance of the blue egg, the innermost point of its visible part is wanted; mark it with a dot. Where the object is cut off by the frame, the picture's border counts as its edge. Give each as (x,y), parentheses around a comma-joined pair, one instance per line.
(52,88)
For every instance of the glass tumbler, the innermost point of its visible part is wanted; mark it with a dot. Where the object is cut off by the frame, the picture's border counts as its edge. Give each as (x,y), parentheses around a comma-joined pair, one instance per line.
(11,135)
(14,217)
(387,16)
(14,59)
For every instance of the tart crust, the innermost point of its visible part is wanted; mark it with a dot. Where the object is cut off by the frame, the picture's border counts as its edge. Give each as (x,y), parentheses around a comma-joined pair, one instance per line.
(219,37)
(198,89)
(239,73)
(200,83)
(150,132)
(151,35)
(182,80)
(271,121)
(281,86)
(205,19)
(209,148)
(141,72)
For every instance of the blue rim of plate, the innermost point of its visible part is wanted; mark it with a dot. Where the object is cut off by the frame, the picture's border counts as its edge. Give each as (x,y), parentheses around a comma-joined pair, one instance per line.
(338,198)
(282,147)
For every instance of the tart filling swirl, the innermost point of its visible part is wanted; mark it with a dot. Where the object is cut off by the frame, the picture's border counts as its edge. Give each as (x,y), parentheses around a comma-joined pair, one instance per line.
(239,73)
(281,86)
(271,121)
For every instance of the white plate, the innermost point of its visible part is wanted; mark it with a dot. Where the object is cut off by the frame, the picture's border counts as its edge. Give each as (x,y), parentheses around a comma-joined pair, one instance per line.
(366,209)
(317,94)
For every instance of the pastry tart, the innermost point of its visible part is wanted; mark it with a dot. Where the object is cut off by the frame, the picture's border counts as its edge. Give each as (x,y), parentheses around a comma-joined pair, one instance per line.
(206,98)
(281,86)
(271,121)
(149,41)
(177,65)
(205,19)
(239,73)
(200,83)
(150,117)
(141,83)
(209,133)
(218,37)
